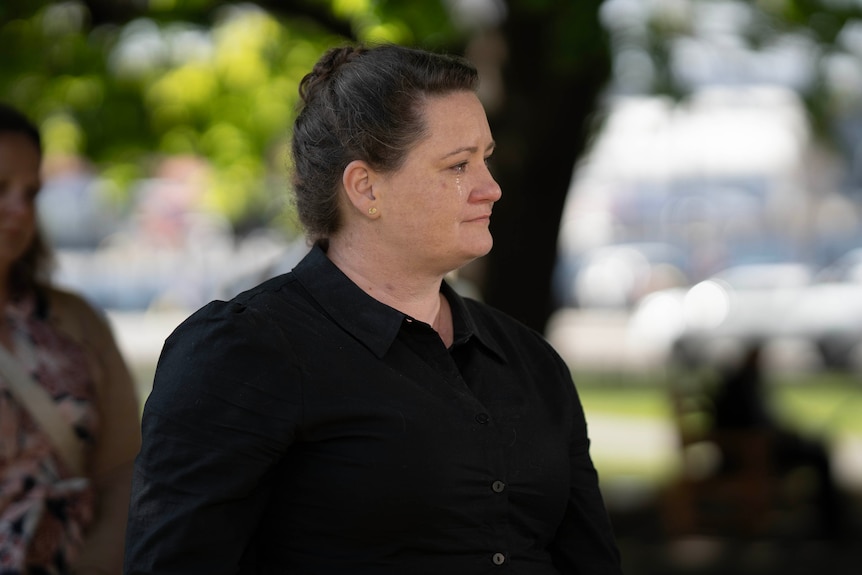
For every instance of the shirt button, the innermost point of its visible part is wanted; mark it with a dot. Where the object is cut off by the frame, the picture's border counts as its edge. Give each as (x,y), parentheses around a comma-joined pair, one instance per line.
(498,486)
(482,418)
(498,558)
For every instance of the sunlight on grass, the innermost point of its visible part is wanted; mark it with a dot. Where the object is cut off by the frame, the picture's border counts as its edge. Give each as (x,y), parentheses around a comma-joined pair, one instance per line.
(827,403)
(634,435)
(829,408)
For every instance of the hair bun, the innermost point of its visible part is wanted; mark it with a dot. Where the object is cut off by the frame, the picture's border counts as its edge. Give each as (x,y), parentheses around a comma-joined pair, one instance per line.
(326,67)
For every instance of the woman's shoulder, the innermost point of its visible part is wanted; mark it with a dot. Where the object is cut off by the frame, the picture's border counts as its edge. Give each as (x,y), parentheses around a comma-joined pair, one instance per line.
(73,313)
(249,315)
(505,327)
(67,300)
(496,318)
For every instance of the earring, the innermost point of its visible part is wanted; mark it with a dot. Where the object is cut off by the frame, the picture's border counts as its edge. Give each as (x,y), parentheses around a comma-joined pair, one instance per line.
(372,210)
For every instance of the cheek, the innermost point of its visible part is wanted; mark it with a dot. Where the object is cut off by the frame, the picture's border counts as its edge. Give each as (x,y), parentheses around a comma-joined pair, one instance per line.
(433,208)
(14,243)
(447,203)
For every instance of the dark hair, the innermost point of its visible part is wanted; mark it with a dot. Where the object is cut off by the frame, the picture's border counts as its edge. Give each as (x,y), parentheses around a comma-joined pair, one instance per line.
(363,103)
(31,268)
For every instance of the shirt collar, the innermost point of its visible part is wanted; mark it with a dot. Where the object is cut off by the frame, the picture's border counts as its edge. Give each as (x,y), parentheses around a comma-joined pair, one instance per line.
(465,324)
(369,320)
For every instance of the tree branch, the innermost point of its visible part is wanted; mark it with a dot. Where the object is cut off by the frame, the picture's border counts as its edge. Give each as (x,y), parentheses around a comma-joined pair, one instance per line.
(124,11)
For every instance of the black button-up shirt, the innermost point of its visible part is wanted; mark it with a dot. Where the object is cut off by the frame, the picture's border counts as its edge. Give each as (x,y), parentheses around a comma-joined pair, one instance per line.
(306,428)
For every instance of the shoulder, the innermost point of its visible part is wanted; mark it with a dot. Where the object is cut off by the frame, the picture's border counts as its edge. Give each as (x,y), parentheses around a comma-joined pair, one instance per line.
(234,350)
(257,306)
(485,313)
(528,356)
(250,319)
(515,338)
(72,313)
(502,324)
(68,301)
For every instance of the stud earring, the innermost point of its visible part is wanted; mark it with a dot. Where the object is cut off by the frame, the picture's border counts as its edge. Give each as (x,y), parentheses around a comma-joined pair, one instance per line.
(372,210)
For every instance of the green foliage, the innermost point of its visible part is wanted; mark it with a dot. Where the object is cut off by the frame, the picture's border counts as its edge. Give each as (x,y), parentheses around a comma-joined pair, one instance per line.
(191,77)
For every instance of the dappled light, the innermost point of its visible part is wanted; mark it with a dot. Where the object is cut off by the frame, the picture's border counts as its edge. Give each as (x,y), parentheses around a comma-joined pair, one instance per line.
(191,86)
(63,136)
(717,201)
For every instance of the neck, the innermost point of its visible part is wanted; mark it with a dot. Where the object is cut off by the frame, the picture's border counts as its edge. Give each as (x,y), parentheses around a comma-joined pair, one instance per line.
(413,294)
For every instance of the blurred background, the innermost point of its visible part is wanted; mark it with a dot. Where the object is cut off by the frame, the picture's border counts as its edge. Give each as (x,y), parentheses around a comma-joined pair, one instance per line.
(682,186)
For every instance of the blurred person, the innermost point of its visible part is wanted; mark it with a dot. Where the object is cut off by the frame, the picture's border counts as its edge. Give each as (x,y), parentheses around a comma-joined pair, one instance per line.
(69,415)
(357,415)
(741,403)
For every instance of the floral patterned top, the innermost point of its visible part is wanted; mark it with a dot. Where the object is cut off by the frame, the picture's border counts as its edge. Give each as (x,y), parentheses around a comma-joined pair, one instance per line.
(44,509)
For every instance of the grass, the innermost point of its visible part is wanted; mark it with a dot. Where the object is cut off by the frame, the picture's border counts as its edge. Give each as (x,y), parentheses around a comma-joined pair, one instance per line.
(635,445)
(827,402)
(636,401)
(829,407)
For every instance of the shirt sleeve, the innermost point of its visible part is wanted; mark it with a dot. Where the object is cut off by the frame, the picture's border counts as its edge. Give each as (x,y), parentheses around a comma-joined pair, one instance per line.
(214,426)
(585,543)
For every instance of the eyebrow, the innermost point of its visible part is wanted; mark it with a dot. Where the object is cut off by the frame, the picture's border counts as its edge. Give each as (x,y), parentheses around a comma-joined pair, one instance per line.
(472,149)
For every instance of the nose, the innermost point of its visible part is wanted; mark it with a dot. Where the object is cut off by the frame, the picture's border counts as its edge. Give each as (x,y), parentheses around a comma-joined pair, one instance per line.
(488,189)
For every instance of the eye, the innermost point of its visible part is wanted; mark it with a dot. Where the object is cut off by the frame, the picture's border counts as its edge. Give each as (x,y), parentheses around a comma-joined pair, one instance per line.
(460,168)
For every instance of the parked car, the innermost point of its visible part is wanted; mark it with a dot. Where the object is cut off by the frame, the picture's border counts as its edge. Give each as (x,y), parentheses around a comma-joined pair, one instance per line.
(768,302)
(618,275)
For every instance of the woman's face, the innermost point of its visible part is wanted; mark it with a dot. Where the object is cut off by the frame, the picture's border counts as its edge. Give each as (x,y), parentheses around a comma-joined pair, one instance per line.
(437,206)
(19,184)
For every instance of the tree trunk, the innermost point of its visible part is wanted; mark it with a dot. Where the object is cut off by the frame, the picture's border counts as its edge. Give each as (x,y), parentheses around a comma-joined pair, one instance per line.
(557,66)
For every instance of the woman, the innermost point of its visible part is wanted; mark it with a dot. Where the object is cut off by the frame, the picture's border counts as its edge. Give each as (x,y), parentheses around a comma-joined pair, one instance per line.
(55,518)
(356,415)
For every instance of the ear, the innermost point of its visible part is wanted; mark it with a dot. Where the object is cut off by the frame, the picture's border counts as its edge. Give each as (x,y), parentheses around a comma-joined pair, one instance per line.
(358,180)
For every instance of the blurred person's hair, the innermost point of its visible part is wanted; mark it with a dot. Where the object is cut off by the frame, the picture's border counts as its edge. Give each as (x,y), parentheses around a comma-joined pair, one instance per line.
(32,269)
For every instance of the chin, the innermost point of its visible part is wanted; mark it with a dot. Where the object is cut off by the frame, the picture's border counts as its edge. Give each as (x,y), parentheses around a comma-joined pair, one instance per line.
(484,247)
(471,249)
(475,254)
